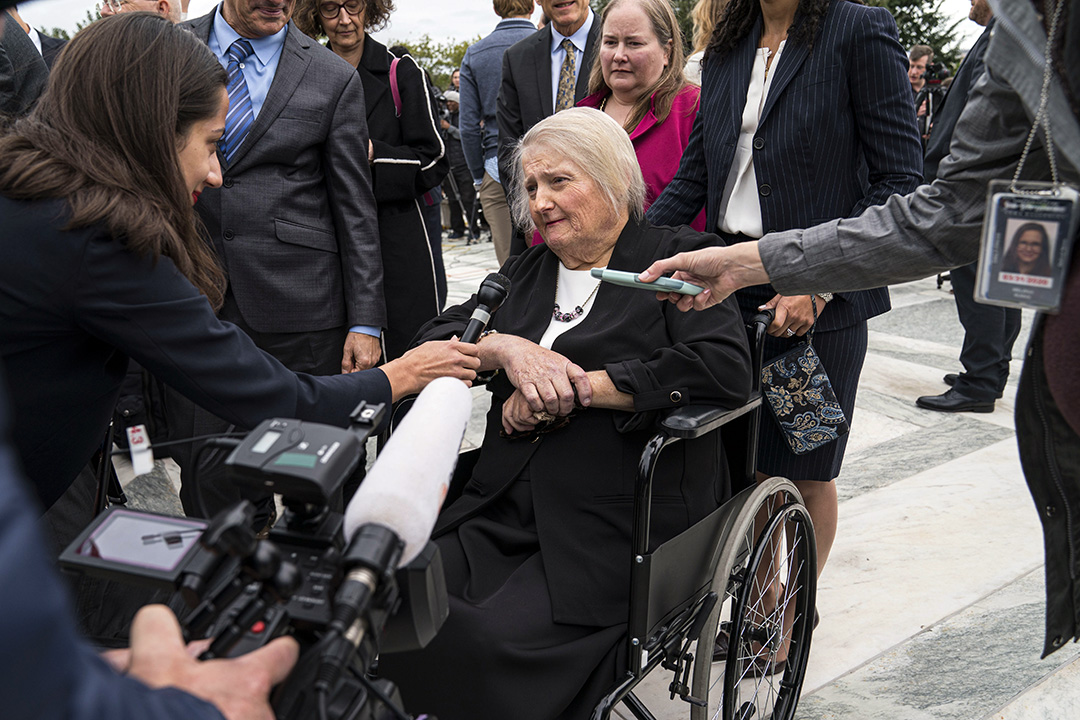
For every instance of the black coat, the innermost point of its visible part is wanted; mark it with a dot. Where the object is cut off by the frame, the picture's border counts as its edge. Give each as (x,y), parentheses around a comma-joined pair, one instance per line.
(583,475)
(410,158)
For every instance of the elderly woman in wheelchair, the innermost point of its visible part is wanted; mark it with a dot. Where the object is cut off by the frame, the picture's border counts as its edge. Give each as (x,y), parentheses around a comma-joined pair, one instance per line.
(536,549)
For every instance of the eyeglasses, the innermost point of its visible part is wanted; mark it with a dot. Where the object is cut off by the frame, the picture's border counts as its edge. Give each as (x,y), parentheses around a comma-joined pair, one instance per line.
(330,10)
(112,5)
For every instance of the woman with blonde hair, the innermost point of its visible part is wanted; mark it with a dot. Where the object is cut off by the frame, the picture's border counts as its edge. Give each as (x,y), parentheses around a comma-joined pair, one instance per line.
(704,15)
(637,79)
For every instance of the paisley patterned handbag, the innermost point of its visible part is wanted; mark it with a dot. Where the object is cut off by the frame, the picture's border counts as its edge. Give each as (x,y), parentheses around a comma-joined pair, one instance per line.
(798,390)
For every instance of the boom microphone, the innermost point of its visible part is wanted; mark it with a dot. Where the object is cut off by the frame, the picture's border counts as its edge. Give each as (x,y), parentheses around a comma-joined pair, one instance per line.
(489,297)
(390,518)
(408,482)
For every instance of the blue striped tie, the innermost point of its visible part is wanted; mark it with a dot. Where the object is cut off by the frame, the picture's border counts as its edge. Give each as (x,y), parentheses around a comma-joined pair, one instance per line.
(241,114)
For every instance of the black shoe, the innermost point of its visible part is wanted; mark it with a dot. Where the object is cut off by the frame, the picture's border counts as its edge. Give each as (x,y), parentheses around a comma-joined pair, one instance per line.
(952,378)
(954,401)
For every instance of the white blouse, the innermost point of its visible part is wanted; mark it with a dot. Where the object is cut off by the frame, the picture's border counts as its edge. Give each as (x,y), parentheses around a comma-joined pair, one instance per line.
(740,209)
(575,288)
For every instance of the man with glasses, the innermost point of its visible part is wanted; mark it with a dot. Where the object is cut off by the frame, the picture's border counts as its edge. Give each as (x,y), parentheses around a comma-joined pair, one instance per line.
(294,222)
(168,9)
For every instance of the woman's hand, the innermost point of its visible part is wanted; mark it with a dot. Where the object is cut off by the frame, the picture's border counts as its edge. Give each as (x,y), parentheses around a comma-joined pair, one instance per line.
(411,372)
(720,270)
(517,416)
(794,314)
(546,379)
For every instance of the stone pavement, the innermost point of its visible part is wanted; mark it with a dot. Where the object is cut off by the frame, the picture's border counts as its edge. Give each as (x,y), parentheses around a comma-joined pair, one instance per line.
(932,601)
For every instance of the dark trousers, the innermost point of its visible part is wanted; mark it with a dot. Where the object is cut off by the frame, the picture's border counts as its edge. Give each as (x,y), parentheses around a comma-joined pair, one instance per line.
(315,353)
(462,197)
(989,334)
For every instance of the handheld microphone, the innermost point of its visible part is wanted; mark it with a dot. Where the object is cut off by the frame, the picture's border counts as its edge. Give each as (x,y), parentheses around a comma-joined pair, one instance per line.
(408,482)
(489,297)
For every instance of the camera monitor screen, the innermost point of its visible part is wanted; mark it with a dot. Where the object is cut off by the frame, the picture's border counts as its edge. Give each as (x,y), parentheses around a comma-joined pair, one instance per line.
(142,545)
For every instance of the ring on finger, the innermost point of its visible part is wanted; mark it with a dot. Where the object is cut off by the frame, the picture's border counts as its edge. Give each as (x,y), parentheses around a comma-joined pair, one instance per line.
(789,332)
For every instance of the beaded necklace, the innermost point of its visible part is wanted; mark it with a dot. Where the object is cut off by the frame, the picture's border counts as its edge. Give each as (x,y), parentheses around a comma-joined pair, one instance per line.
(578,311)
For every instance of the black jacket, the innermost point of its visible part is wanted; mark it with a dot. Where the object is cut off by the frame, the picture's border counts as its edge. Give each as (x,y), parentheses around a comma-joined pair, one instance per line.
(410,158)
(75,305)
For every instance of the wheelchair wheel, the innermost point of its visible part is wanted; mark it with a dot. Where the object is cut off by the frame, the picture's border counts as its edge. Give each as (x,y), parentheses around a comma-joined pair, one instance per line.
(770,542)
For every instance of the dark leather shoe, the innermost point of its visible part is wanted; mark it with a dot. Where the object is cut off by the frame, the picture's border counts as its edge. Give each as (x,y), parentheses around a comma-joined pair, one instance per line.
(954,401)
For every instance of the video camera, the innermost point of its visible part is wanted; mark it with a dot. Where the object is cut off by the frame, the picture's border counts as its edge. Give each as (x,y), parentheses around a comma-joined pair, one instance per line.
(935,73)
(346,586)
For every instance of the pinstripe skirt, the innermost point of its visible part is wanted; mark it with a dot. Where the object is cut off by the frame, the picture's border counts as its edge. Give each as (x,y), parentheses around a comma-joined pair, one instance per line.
(842,352)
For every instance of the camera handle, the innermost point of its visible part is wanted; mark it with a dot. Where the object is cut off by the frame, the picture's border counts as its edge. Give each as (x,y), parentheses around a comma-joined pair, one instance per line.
(235,561)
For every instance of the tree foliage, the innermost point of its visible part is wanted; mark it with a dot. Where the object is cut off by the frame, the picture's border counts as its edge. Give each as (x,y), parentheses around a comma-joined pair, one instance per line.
(925,22)
(440,59)
(61,33)
(682,10)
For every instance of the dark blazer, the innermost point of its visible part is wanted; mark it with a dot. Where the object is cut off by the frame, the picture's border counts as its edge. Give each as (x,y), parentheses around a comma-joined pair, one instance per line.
(525,93)
(410,158)
(23,74)
(837,134)
(76,305)
(295,220)
(50,48)
(583,475)
(937,147)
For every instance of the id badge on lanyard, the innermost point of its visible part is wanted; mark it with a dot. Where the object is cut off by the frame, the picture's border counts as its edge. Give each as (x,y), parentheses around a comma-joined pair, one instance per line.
(1029,227)
(1027,243)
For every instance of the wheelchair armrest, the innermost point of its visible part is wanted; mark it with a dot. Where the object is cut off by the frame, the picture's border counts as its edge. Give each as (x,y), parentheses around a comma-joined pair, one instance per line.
(693,421)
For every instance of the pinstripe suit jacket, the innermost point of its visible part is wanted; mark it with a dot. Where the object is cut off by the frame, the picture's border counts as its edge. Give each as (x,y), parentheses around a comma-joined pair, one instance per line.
(837,134)
(295,220)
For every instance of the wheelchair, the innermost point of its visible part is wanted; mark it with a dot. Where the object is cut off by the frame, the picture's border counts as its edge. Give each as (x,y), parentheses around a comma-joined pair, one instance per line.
(755,580)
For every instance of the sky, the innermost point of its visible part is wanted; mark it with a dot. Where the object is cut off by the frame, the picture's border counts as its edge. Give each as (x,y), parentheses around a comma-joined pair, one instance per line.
(441,19)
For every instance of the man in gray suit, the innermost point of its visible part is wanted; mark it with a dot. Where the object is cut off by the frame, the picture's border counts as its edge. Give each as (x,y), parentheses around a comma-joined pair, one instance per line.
(294,222)
(23,74)
(539,77)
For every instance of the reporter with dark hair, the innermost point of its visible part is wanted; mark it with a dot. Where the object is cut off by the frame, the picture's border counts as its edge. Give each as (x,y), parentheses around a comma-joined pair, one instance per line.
(101,258)
(117,266)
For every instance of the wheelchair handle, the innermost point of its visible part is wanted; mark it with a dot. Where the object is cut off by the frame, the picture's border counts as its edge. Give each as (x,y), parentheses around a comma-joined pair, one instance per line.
(765,317)
(758,325)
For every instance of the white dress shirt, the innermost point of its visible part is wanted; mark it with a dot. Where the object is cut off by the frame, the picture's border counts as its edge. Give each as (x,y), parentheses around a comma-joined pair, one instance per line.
(579,38)
(740,209)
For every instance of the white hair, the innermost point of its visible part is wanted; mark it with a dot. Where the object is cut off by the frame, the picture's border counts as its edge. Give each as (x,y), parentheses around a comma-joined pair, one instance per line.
(594,143)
